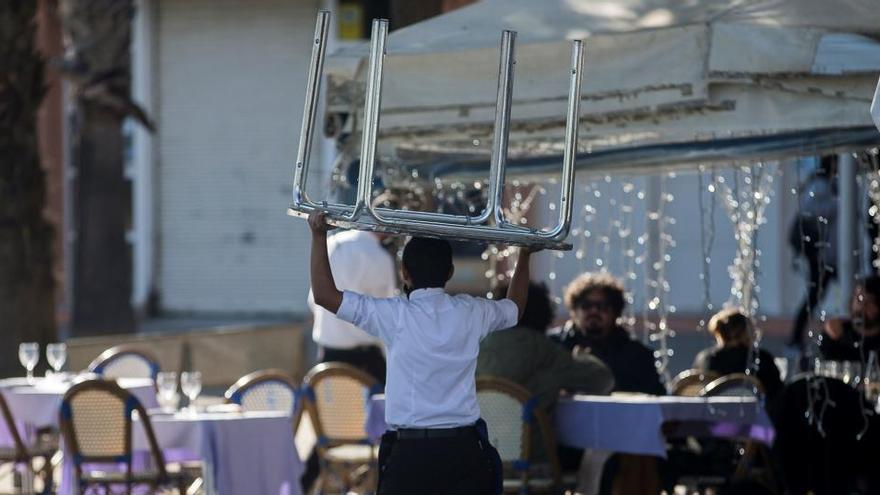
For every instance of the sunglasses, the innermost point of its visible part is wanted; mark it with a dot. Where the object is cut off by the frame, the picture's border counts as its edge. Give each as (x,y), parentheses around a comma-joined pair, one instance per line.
(601,306)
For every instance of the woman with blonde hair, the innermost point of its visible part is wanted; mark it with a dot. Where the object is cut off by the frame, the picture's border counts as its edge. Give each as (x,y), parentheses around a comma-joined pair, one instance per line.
(732,330)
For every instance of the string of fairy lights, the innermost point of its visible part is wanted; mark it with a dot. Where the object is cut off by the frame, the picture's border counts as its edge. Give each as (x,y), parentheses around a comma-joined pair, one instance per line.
(625,225)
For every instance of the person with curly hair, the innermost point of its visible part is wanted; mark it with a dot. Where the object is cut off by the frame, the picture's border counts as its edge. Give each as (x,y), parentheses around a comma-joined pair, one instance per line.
(595,303)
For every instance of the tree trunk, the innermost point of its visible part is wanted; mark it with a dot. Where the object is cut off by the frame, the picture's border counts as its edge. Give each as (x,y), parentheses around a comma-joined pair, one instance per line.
(97,60)
(27,308)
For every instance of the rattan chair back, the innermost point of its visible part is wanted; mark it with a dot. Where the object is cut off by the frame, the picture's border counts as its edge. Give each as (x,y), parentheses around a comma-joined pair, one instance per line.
(267,390)
(734,385)
(690,383)
(336,396)
(125,362)
(96,424)
(512,416)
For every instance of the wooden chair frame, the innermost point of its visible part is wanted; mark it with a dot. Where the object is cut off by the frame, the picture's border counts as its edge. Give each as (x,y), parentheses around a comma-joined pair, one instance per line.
(523,396)
(22,454)
(307,405)
(67,430)
(115,352)
(689,378)
(720,385)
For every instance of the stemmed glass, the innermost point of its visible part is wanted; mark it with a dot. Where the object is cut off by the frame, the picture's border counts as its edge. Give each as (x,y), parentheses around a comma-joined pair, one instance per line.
(56,355)
(166,383)
(29,355)
(191,384)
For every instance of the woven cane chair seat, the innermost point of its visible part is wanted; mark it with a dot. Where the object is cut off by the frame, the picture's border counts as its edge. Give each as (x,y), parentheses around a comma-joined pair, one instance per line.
(335,397)
(503,414)
(96,422)
(513,417)
(268,390)
(125,362)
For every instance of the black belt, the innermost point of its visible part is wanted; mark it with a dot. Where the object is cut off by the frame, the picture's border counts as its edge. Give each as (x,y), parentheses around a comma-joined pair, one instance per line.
(422,433)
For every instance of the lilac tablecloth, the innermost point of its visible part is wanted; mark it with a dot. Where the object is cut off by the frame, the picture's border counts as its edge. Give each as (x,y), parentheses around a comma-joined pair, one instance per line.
(241,452)
(36,405)
(633,424)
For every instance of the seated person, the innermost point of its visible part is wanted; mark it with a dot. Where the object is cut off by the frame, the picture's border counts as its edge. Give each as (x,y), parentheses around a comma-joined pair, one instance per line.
(595,302)
(526,356)
(733,334)
(842,338)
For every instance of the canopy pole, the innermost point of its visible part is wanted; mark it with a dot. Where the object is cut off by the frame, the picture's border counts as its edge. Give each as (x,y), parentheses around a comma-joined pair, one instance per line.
(847,227)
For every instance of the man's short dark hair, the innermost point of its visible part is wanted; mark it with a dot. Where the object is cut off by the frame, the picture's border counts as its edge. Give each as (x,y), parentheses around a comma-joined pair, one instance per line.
(428,262)
(612,289)
(539,313)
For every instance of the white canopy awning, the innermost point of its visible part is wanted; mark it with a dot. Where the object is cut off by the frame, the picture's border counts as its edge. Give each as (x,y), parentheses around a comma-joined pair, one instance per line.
(657,72)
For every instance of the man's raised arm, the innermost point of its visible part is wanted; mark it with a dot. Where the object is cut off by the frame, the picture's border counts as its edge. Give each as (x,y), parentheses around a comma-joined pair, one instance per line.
(518,290)
(323,286)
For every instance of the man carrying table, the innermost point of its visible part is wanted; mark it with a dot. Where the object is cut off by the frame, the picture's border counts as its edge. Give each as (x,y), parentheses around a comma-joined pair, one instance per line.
(437,442)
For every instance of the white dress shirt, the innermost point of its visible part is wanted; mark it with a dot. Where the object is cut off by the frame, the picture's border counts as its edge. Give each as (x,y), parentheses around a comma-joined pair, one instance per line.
(359,263)
(432,341)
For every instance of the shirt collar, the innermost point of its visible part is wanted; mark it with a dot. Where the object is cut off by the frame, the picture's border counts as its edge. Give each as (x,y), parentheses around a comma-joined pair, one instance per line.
(431,291)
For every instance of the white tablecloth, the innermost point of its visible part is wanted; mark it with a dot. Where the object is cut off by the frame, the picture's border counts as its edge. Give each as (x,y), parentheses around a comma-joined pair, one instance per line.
(243,453)
(633,424)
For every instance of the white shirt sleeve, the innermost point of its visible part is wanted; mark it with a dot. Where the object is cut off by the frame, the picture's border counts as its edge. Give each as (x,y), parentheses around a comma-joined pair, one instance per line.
(376,316)
(497,315)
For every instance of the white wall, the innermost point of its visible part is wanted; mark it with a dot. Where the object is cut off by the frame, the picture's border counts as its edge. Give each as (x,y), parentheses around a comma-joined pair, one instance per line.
(230,95)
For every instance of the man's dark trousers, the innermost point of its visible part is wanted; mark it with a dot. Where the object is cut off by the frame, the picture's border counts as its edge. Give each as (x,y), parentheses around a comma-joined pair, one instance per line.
(456,465)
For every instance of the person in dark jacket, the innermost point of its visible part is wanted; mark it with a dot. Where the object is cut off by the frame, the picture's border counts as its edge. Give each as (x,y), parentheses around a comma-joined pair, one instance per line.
(733,333)
(853,338)
(595,302)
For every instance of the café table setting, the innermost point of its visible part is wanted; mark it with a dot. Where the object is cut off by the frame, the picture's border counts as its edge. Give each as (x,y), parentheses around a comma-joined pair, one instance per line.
(237,451)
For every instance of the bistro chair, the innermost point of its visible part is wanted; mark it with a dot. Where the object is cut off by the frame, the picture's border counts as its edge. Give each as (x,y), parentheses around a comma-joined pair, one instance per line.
(335,397)
(24,453)
(689,383)
(124,361)
(266,390)
(514,418)
(96,424)
(743,385)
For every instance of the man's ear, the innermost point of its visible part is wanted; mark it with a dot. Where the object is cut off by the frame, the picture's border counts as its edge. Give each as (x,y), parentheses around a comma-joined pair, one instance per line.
(451,272)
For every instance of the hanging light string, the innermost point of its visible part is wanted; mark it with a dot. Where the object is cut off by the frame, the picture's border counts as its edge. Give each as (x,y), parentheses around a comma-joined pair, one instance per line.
(745,201)
(657,287)
(628,250)
(817,387)
(707,241)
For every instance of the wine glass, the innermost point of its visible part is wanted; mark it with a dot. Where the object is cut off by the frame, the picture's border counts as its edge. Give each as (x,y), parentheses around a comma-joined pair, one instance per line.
(166,384)
(56,355)
(29,356)
(191,384)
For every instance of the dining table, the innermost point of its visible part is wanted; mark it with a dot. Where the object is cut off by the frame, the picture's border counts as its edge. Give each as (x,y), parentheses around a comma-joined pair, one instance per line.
(635,423)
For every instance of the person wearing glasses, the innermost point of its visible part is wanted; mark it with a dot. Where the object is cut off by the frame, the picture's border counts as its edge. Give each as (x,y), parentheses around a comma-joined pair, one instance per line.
(595,303)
